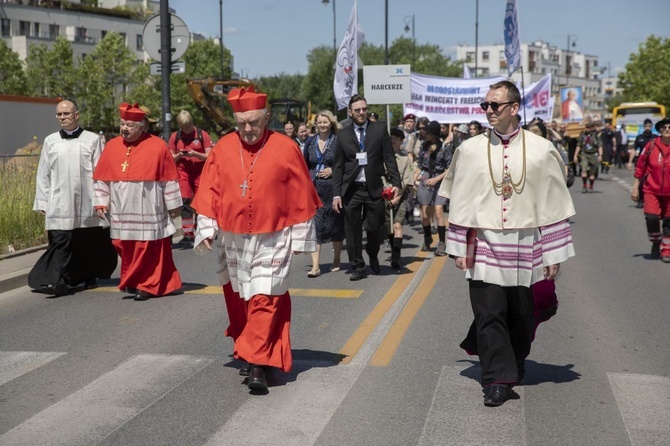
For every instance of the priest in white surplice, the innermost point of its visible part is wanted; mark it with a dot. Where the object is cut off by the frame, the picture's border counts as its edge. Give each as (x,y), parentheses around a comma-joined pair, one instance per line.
(508,228)
(79,250)
(137,181)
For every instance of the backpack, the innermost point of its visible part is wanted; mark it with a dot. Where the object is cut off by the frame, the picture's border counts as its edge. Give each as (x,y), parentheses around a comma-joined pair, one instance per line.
(198,136)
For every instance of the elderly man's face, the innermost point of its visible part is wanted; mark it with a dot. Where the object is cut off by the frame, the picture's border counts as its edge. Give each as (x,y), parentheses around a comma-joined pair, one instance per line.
(68,117)
(408,125)
(131,130)
(251,125)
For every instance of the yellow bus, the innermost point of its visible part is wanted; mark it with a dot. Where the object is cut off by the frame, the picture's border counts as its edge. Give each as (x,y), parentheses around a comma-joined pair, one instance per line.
(631,115)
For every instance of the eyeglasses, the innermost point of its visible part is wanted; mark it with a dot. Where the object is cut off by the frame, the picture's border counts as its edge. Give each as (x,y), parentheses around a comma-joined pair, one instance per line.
(360,110)
(64,114)
(494,105)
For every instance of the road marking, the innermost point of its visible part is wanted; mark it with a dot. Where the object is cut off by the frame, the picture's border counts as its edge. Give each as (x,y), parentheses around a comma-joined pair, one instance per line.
(15,364)
(92,413)
(297,292)
(294,414)
(363,331)
(644,403)
(392,340)
(454,407)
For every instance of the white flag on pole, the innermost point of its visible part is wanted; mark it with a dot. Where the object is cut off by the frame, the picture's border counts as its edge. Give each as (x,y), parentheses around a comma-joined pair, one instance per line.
(512,45)
(345,84)
(466,72)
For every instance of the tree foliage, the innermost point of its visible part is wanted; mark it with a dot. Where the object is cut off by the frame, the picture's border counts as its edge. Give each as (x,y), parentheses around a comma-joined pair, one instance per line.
(106,76)
(646,77)
(51,71)
(12,74)
(282,86)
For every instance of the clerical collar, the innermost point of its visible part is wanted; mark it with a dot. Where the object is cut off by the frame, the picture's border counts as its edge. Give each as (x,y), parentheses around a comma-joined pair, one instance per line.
(506,138)
(65,134)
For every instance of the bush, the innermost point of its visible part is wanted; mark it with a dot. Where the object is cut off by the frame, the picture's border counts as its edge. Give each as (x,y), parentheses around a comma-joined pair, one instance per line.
(20,226)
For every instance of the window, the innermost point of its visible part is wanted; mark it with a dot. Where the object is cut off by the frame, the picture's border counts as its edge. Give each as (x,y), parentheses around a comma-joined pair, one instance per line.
(54,31)
(103,34)
(123,37)
(24,28)
(469,56)
(139,46)
(5,27)
(36,29)
(80,34)
(485,55)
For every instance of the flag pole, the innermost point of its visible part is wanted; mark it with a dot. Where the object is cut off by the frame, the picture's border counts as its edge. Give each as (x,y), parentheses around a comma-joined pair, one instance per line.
(523,98)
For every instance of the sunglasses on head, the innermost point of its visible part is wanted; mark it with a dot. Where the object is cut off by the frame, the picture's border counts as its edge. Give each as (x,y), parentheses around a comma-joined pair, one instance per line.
(494,105)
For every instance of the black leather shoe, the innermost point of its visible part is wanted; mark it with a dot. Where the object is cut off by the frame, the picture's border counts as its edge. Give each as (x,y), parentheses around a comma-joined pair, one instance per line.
(395,264)
(244,371)
(374,265)
(143,295)
(357,275)
(129,290)
(57,289)
(496,395)
(90,284)
(257,378)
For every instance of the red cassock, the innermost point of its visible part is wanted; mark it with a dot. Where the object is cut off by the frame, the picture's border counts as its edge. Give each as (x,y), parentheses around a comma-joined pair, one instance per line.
(280,194)
(146,265)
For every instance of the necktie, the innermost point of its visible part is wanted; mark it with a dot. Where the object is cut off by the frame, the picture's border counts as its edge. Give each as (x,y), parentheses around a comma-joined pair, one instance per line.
(361,131)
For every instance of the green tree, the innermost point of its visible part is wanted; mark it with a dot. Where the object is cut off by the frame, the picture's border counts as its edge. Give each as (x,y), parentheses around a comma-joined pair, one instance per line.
(12,74)
(317,85)
(646,77)
(51,72)
(106,77)
(282,86)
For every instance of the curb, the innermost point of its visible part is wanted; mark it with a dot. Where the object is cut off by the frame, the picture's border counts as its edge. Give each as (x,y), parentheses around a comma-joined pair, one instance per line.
(19,278)
(14,282)
(22,252)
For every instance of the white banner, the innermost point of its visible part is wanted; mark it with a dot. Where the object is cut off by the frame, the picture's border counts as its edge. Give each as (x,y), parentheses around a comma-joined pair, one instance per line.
(537,101)
(511,34)
(449,100)
(345,84)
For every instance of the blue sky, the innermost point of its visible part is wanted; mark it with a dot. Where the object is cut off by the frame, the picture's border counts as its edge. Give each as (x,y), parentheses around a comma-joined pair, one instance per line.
(270,37)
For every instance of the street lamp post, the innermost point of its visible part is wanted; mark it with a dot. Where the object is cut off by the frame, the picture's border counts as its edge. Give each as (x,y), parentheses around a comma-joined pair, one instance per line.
(568,62)
(221,36)
(408,19)
(325,2)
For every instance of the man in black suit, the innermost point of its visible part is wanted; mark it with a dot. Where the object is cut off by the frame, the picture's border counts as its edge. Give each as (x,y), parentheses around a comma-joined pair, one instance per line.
(363,155)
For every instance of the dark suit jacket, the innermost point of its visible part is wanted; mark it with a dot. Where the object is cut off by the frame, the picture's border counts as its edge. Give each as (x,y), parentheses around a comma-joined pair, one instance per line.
(381,160)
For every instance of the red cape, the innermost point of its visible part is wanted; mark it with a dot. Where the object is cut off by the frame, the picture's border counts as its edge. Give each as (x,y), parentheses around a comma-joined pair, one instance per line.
(280,193)
(149,160)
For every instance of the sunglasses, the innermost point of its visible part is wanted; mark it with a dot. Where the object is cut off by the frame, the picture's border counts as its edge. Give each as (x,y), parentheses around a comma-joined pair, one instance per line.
(494,105)
(665,127)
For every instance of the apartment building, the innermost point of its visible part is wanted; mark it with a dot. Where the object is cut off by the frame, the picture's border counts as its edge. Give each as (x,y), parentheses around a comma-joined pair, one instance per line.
(28,22)
(567,67)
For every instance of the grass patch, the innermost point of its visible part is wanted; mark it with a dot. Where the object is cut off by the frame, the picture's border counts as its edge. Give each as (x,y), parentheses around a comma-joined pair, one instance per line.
(20,226)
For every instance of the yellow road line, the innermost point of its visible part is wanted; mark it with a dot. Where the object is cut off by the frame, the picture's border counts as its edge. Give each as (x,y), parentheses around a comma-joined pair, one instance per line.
(297,292)
(392,340)
(357,340)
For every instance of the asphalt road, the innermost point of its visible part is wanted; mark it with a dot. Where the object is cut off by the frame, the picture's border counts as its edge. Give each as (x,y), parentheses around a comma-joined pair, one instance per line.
(377,361)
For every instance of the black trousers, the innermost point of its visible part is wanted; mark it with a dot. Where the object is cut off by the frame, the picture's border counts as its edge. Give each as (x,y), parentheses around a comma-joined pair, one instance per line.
(73,257)
(504,325)
(358,205)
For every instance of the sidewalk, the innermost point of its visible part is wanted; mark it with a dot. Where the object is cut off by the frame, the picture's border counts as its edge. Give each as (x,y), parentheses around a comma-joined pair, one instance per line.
(14,268)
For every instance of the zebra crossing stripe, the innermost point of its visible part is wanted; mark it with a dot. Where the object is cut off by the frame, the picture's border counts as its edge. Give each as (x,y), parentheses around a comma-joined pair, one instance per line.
(644,403)
(92,413)
(455,405)
(15,364)
(295,414)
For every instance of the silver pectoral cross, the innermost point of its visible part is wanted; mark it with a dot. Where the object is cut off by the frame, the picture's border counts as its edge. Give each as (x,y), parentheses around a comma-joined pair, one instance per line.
(244,188)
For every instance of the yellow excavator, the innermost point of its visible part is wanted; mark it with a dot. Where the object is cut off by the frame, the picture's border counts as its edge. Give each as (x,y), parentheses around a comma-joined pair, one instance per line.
(210,95)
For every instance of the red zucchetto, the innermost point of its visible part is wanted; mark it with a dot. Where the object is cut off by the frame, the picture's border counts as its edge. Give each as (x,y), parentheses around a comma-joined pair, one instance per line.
(242,100)
(131,112)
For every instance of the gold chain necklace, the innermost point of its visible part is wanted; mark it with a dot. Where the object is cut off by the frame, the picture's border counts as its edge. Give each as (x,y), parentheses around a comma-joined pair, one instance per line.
(244,186)
(126,164)
(507,187)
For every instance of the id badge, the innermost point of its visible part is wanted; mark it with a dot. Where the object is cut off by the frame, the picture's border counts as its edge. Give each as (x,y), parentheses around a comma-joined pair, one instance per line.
(362,158)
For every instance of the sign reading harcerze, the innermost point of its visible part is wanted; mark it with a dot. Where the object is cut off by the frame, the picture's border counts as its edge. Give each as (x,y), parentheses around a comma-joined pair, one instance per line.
(387,84)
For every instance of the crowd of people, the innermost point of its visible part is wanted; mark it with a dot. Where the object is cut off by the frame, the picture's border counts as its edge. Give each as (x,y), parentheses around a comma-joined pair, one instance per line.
(259,197)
